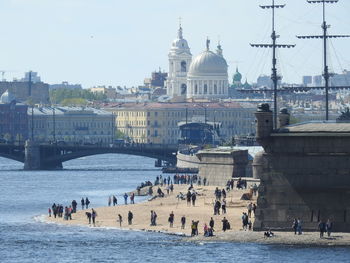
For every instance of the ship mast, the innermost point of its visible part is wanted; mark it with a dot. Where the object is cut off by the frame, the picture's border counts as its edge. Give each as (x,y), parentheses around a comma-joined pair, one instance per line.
(324,37)
(274,76)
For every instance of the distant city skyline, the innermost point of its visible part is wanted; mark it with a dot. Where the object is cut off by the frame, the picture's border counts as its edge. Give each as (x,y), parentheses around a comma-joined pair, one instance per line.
(121,42)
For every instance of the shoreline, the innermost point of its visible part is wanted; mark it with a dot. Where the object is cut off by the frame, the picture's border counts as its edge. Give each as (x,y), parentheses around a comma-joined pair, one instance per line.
(107,219)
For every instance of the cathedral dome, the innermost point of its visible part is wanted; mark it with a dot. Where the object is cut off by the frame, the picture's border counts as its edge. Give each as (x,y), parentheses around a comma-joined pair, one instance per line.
(7,97)
(208,64)
(237,77)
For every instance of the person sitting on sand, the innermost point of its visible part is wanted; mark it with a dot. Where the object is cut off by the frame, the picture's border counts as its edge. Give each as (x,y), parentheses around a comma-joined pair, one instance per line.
(205,229)
(268,233)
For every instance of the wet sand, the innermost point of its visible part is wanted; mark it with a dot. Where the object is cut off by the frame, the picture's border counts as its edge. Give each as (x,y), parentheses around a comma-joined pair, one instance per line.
(202,211)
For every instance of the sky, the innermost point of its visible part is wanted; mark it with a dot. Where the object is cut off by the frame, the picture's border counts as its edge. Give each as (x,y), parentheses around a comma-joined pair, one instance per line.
(114,42)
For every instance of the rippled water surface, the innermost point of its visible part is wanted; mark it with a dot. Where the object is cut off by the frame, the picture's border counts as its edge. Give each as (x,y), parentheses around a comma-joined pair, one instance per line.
(24,196)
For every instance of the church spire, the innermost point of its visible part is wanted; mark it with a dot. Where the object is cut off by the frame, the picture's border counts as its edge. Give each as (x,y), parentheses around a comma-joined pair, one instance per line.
(208,43)
(219,49)
(179,34)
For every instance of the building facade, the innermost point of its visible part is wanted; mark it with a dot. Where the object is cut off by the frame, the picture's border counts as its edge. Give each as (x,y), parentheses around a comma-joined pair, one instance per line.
(71,124)
(13,119)
(204,77)
(158,123)
(180,58)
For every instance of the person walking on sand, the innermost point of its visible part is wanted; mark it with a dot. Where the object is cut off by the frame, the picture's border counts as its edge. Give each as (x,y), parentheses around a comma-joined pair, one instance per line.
(183,222)
(87,202)
(120,219)
(171,219)
(299,226)
(109,200)
(126,198)
(130,217)
(321,228)
(49,212)
(82,203)
(329,226)
(154,218)
(93,216)
(295,226)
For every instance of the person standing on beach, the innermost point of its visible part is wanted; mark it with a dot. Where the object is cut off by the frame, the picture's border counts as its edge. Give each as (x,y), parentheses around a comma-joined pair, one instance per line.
(130,217)
(126,198)
(120,219)
(115,200)
(224,224)
(87,202)
(82,203)
(171,219)
(188,197)
(49,212)
(74,206)
(93,216)
(152,217)
(211,223)
(109,200)
(183,222)
(223,206)
(132,198)
(193,229)
(194,197)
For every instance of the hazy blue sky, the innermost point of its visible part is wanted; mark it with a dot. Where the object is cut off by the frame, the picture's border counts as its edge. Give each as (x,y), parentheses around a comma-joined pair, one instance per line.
(114,42)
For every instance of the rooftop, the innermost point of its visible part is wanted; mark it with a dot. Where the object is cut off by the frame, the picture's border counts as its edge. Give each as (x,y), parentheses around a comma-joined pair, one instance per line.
(184,105)
(316,128)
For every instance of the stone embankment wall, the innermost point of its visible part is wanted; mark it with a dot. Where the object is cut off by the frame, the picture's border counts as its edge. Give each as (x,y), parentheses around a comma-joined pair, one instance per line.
(303,175)
(220,166)
(187,161)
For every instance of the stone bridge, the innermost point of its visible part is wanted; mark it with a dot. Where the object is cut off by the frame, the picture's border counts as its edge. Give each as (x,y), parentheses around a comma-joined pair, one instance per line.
(50,156)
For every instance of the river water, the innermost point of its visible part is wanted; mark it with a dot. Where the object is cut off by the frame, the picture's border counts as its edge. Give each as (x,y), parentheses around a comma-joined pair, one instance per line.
(25,195)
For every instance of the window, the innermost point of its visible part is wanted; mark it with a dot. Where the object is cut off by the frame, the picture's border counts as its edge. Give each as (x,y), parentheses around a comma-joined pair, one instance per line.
(215,89)
(183,66)
(205,89)
(196,89)
(183,89)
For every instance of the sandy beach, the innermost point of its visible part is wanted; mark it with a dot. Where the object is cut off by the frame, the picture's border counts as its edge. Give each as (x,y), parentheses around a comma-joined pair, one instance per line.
(202,212)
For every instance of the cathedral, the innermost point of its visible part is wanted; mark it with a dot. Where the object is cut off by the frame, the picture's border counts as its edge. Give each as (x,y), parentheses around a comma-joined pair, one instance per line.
(203,77)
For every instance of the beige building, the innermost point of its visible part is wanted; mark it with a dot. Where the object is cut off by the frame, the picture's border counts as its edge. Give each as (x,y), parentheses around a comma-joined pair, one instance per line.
(71,124)
(159,122)
(110,92)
